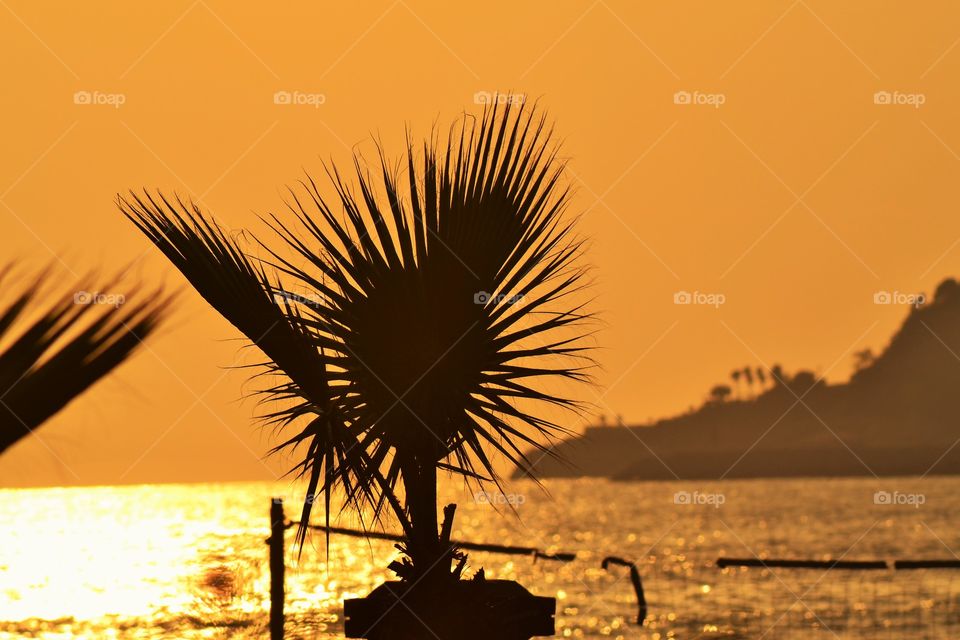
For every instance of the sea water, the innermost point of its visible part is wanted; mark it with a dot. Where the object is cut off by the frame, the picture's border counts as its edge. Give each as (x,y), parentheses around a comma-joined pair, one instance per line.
(190,561)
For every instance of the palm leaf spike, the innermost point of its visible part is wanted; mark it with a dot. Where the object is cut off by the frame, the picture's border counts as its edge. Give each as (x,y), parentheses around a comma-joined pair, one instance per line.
(65,350)
(438,314)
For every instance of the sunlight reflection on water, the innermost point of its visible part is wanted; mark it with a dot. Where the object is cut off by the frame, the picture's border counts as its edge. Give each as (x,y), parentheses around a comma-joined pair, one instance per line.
(179,561)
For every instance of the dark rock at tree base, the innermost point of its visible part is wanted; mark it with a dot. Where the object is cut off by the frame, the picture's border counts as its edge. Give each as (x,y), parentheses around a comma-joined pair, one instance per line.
(464,610)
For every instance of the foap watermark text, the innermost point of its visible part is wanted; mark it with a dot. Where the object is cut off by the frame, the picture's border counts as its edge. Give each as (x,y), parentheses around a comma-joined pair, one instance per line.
(899,297)
(484,297)
(888,498)
(495,97)
(299,98)
(900,98)
(99,99)
(96,297)
(501,499)
(698,498)
(700,98)
(699,297)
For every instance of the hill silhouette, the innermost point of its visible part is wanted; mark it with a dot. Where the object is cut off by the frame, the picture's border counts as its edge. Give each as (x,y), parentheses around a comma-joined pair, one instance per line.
(897,415)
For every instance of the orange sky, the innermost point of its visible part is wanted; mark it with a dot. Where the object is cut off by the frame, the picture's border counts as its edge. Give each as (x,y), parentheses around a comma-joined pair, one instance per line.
(797,198)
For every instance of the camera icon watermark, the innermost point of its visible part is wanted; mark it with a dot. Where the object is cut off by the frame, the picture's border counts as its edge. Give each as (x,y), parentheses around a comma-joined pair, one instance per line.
(698,297)
(88,298)
(299,98)
(715,100)
(99,98)
(484,298)
(697,498)
(899,98)
(495,97)
(895,498)
(898,297)
(499,499)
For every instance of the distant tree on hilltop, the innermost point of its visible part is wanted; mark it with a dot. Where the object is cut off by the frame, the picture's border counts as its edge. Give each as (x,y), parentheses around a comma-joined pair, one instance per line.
(735,376)
(720,393)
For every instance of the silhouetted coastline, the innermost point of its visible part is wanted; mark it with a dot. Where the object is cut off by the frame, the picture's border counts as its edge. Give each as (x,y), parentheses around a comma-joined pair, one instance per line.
(896,416)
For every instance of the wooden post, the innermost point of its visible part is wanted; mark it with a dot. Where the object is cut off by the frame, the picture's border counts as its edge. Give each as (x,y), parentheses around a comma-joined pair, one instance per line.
(637,584)
(277,528)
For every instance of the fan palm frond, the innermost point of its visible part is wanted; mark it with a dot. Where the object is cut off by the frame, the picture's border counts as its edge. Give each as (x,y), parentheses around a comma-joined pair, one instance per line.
(439,307)
(439,310)
(63,352)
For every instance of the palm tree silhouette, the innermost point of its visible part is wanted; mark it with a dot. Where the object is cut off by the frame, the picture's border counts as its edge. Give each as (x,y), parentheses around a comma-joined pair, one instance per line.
(748,376)
(438,304)
(735,376)
(761,377)
(777,375)
(61,353)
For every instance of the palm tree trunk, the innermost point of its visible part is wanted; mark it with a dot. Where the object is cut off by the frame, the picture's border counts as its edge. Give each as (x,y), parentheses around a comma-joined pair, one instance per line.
(420,482)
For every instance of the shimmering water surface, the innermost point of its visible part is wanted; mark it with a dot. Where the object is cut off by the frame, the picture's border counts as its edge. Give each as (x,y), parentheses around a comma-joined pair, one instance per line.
(190,561)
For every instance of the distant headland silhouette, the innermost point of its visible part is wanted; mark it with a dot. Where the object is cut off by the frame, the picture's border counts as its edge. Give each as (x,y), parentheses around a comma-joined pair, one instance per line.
(899,414)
